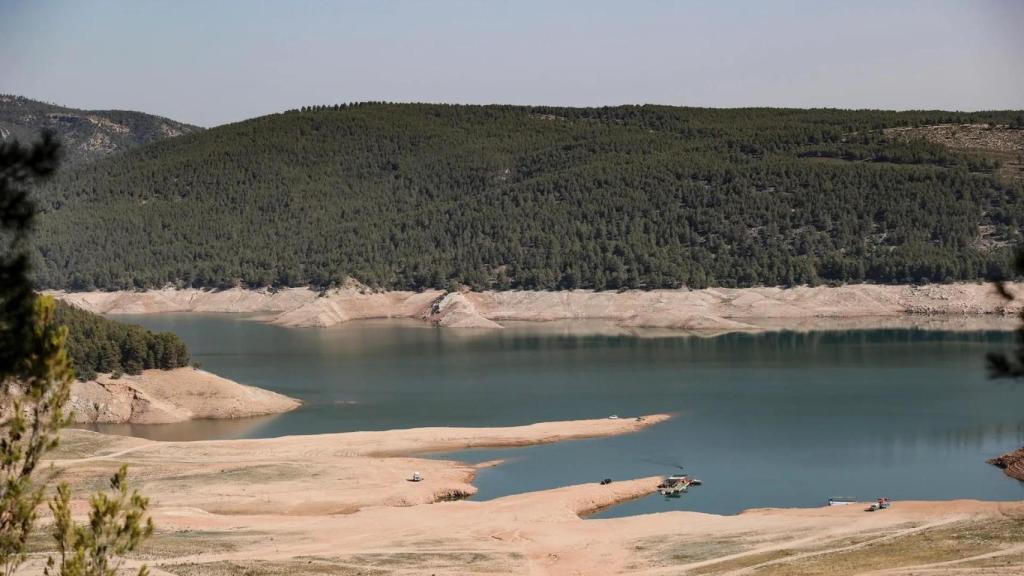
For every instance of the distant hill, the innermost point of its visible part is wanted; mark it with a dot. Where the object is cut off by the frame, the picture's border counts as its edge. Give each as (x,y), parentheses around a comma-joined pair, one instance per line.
(416,195)
(86,134)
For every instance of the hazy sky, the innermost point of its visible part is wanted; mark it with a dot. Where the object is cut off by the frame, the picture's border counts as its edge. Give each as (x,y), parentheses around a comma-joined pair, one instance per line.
(214,61)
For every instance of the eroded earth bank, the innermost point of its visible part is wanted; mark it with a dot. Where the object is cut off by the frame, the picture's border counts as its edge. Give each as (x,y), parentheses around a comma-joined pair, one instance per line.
(711,309)
(169,396)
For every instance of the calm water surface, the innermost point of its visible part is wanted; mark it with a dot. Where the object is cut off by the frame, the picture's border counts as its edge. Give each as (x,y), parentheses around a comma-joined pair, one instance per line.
(783,419)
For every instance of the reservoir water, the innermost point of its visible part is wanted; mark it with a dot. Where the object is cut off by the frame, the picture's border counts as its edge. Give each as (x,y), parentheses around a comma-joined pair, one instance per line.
(777,419)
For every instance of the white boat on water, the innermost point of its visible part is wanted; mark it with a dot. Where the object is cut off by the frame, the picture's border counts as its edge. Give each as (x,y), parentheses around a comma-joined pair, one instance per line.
(841,501)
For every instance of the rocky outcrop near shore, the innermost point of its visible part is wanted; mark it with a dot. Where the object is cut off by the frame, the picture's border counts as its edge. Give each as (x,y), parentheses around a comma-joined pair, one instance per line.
(1012,463)
(168,396)
(456,311)
(710,309)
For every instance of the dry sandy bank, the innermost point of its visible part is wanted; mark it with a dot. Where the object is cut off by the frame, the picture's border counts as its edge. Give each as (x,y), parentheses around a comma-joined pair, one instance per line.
(708,310)
(316,474)
(333,504)
(166,396)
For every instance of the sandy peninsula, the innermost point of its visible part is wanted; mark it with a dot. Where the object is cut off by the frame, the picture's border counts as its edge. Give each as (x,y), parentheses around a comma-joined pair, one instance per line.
(167,396)
(322,473)
(341,504)
(707,310)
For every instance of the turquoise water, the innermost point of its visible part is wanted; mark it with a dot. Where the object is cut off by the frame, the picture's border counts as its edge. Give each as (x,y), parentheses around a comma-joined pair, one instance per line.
(780,419)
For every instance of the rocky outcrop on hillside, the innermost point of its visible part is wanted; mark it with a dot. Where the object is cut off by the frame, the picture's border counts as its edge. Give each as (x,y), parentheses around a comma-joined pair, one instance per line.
(454,310)
(85,135)
(966,136)
(1003,143)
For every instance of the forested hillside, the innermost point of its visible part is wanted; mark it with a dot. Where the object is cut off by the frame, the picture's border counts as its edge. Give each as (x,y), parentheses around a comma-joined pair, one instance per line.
(97,344)
(413,196)
(85,135)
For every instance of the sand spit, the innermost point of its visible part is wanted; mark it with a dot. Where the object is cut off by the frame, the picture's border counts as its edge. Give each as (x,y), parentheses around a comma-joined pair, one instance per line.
(314,474)
(1012,463)
(166,396)
(333,504)
(708,310)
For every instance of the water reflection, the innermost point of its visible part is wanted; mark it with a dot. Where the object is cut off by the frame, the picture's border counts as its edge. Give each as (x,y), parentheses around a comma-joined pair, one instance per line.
(189,431)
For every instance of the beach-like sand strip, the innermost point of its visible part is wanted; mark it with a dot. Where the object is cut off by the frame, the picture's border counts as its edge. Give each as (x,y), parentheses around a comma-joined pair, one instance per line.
(313,474)
(342,504)
(710,309)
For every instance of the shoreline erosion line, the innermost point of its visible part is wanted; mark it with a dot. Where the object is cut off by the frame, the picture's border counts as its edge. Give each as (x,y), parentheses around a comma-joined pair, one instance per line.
(963,306)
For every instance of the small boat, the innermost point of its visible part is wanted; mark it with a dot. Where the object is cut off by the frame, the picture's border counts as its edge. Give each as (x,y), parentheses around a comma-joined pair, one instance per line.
(841,501)
(672,480)
(677,484)
(882,504)
(673,491)
(677,478)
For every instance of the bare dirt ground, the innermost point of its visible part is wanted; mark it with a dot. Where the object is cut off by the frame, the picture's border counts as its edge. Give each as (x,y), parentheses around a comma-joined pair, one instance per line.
(165,396)
(712,310)
(340,504)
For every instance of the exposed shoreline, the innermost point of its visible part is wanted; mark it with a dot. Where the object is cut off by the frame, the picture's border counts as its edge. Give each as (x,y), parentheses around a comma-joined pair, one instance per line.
(320,473)
(170,396)
(712,310)
(341,503)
